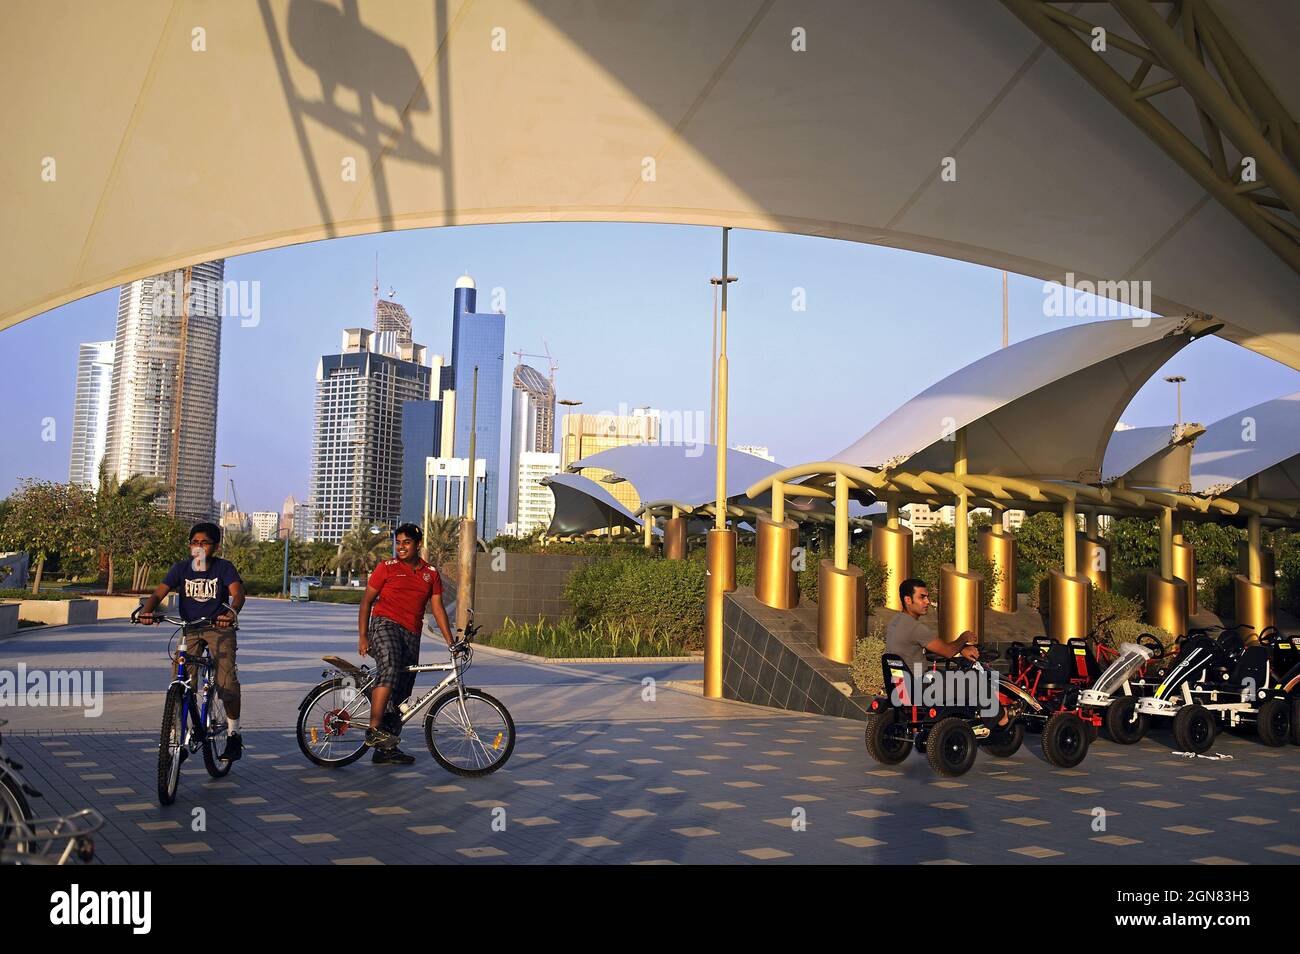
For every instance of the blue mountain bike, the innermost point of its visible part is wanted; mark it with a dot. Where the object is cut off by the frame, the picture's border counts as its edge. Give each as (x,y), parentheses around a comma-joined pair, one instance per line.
(194,718)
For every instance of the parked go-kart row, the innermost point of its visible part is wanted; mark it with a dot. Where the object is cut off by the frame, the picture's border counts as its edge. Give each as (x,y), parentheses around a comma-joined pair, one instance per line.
(1069,692)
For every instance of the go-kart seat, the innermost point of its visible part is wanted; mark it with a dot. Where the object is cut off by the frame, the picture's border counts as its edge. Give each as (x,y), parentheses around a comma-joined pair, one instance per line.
(1254,665)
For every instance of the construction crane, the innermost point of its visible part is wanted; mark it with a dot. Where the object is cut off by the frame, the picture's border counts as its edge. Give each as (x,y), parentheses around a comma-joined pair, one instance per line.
(173,465)
(551,362)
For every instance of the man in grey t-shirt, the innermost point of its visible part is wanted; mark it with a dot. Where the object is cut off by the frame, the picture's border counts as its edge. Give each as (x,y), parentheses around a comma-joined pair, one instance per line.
(908,637)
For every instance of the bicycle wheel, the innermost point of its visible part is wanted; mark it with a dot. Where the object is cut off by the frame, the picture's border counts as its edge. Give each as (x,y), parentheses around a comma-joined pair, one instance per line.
(332,723)
(14,815)
(214,735)
(170,744)
(472,740)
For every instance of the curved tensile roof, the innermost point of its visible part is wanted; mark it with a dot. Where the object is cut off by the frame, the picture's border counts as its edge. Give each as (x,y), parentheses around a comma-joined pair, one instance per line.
(582,505)
(1263,440)
(958,129)
(1044,408)
(1155,458)
(679,475)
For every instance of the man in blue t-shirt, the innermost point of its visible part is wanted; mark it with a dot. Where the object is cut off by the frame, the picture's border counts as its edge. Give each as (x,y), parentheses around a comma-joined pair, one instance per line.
(208,587)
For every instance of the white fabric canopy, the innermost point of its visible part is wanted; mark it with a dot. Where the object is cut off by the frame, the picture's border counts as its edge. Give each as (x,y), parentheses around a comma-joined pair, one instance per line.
(1045,407)
(675,475)
(582,505)
(1263,440)
(148,135)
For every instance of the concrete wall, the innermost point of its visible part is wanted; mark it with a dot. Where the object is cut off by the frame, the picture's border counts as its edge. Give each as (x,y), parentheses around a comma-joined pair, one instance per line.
(527,586)
(58,612)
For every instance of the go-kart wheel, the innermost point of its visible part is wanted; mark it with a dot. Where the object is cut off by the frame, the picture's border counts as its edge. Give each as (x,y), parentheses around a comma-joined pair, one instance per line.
(884,743)
(1295,721)
(1124,724)
(1195,729)
(951,747)
(1274,722)
(1065,740)
(1005,741)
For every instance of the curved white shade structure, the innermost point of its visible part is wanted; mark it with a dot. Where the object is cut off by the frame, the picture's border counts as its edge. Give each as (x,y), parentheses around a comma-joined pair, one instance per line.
(1263,440)
(148,135)
(676,475)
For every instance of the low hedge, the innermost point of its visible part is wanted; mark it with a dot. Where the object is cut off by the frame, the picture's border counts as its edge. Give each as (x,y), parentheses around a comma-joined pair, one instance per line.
(25,594)
(660,599)
(321,595)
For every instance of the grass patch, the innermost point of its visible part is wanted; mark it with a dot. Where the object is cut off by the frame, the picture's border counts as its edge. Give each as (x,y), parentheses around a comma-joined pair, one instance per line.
(568,640)
(337,596)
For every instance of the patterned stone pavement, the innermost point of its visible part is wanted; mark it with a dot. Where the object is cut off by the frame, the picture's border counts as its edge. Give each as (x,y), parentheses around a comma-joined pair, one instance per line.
(603,775)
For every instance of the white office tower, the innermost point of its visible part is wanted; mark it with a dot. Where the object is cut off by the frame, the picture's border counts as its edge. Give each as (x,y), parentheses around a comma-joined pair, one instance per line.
(90,412)
(753,450)
(162,413)
(266,523)
(357,446)
(447,484)
(532,428)
(536,502)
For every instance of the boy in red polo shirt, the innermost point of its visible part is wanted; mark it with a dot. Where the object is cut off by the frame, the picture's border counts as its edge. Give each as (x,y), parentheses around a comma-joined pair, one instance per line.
(392,616)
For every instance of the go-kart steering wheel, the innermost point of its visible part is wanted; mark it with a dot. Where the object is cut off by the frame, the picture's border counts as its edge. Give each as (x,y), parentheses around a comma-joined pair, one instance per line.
(1269,636)
(1147,641)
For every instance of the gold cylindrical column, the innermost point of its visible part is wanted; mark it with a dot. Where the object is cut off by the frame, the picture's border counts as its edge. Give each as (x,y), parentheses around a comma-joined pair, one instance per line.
(1185,569)
(1267,565)
(841,610)
(1167,604)
(1000,550)
(1255,606)
(961,603)
(891,547)
(775,583)
(675,538)
(1069,606)
(720,556)
(1094,560)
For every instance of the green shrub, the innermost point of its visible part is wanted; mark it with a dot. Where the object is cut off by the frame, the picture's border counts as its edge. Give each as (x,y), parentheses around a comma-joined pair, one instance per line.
(322,595)
(1112,614)
(1214,590)
(44,594)
(938,547)
(565,639)
(1128,631)
(868,677)
(873,573)
(662,599)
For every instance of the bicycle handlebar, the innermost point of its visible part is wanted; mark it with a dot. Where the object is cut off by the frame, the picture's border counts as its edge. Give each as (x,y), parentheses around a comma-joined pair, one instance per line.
(156,617)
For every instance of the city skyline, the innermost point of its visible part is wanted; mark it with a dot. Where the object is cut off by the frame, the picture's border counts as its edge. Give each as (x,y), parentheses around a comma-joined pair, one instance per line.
(310,291)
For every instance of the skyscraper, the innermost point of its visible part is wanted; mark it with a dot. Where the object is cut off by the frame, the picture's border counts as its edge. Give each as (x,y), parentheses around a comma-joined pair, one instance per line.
(265,523)
(588,434)
(162,416)
(426,432)
(478,340)
(536,503)
(532,427)
(90,412)
(357,456)
(390,316)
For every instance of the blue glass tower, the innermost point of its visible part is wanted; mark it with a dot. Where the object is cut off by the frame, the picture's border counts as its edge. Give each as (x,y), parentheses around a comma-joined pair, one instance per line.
(479,340)
(421,438)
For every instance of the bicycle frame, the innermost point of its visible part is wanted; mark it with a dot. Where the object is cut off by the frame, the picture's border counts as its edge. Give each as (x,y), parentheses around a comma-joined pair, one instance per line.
(409,710)
(195,710)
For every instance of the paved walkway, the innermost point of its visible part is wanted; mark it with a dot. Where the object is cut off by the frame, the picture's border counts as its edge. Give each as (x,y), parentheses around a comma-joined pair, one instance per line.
(608,772)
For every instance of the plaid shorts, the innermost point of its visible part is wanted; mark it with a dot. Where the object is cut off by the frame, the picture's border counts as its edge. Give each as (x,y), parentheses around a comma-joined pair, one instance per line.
(393,647)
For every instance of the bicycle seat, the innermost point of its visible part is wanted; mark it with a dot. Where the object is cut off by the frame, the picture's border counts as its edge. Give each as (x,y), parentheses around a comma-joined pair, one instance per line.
(338,662)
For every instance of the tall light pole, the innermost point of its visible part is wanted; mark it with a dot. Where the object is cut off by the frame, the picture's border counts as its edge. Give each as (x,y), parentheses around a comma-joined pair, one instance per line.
(569,403)
(1006,328)
(1177,381)
(225,494)
(713,360)
(288,532)
(468,526)
(721,546)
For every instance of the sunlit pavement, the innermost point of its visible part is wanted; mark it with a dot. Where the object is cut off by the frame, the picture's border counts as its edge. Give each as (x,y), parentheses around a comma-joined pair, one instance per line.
(611,769)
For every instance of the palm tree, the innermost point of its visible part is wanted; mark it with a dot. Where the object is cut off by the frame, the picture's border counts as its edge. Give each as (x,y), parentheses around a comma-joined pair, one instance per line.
(363,548)
(443,542)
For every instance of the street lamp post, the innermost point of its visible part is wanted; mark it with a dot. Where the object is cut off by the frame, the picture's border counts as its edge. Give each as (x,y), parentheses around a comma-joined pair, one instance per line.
(569,403)
(721,546)
(1177,381)
(288,532)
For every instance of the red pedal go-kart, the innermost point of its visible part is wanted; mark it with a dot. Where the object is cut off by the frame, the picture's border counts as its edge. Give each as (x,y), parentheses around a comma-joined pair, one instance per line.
(912,716)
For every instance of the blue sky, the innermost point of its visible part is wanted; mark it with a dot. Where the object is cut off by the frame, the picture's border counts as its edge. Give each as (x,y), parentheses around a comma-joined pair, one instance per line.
(627,312)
